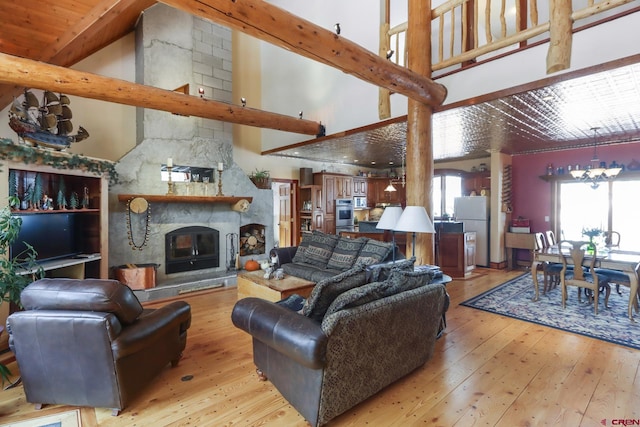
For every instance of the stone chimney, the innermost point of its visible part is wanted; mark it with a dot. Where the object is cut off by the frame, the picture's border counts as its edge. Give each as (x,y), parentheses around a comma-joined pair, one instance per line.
(174,48)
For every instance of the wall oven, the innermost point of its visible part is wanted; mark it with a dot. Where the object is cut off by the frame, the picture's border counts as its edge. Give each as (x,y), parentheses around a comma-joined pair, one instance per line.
(344,215)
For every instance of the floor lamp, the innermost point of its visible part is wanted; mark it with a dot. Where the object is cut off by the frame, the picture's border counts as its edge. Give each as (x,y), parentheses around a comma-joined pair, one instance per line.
(414,219)
(388,221)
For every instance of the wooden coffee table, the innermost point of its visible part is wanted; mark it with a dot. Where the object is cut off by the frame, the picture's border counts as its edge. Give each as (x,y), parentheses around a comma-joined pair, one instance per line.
(253,284)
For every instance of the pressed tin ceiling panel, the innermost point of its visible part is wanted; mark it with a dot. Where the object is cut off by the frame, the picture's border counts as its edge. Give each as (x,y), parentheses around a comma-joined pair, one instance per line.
(554,117)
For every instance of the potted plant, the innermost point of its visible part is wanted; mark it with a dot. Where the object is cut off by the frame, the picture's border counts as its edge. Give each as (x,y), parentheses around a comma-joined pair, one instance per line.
(261,179)
(11,282)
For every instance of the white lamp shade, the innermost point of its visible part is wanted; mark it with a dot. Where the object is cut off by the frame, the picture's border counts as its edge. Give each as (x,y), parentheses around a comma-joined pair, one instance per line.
(415,219)
(389,218)
(390,187)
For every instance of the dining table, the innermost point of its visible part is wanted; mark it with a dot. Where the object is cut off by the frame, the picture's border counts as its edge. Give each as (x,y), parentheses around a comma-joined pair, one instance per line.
(627,262)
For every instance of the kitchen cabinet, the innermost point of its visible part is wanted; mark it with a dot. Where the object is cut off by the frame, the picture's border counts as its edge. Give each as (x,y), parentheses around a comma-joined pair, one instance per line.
(476,182)
(376,193)
(457,253)
(333,186)
(359,186)
(310,209)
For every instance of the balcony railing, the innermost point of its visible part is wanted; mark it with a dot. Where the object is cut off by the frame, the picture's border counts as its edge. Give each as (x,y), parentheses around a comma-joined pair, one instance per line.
(468,31)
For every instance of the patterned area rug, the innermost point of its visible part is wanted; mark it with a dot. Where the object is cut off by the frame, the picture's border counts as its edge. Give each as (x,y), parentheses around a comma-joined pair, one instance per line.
(62,419)
(513,299)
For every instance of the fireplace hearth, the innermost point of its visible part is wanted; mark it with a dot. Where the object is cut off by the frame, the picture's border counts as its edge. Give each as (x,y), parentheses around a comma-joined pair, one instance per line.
(191,248)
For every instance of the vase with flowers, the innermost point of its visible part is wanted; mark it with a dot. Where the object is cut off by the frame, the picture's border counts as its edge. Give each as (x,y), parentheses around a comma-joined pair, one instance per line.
(591,233)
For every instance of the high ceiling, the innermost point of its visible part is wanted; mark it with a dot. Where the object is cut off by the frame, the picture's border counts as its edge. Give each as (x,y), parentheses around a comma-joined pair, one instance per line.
(554,114)
(543,117)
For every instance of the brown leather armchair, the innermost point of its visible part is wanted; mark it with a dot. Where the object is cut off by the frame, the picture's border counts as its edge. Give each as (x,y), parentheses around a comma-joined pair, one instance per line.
(90,343)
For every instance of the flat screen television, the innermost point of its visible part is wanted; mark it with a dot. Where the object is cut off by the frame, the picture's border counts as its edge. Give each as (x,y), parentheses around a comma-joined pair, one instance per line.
(52,235)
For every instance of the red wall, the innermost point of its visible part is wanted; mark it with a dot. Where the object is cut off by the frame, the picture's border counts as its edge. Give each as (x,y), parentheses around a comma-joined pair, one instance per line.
(531,196)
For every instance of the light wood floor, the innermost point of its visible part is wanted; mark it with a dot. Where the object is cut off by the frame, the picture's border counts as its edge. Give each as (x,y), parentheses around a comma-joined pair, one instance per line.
(487,370)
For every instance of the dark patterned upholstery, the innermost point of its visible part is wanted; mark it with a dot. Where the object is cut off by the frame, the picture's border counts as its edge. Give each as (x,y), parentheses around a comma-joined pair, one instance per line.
(320,249)
(380,272)
(326,369)
(345,253)
(374,251)
(302,247)
(327,290)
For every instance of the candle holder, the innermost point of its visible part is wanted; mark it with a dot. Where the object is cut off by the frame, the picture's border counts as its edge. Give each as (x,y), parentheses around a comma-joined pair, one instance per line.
(219,183)
(170,183)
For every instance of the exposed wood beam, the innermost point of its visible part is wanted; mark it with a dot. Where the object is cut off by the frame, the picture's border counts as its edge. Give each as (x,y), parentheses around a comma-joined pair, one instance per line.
(25,72)
(264,21)
(87,36)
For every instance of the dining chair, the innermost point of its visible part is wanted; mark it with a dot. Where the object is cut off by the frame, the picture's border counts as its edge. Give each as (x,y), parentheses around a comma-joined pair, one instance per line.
(612,239)
(550,237)
(584,275)
(550,270)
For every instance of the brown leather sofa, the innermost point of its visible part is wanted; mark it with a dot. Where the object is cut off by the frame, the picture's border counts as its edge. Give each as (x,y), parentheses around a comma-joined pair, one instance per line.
(90,343)
(370,336)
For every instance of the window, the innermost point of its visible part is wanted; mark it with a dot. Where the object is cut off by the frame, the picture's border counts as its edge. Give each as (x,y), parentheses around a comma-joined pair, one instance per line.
(445,189)
(580,206)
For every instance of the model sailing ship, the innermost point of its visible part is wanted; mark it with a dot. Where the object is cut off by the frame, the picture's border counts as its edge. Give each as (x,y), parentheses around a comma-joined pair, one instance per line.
(47,125)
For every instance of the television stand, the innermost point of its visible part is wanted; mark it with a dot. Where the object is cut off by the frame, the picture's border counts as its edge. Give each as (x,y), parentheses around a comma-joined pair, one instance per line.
(72,268)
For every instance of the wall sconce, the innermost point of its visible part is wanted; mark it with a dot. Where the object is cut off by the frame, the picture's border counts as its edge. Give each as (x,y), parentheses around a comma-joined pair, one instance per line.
(243,101)
(201,92)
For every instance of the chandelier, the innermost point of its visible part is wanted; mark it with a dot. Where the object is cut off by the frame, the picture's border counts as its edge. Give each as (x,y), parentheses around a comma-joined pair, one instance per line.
(597,171)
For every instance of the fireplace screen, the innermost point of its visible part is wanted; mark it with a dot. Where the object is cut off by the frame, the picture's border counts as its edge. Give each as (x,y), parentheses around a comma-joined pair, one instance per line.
(191,248)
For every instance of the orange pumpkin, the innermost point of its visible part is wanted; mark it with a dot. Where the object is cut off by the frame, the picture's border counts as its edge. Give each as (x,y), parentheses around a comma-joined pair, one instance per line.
(251,265)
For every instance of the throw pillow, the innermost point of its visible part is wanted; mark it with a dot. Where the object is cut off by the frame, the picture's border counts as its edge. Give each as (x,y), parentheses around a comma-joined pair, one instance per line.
(327,290)
(404,280)
(374,251)
(383,271)
(302,246)
(345,253)
(320,249)
(360,295)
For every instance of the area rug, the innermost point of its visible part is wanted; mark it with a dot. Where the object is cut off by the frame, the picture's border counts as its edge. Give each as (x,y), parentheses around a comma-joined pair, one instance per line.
(62,419)
(513,299)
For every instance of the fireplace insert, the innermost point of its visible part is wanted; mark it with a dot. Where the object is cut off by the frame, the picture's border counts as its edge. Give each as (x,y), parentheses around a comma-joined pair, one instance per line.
(191,248)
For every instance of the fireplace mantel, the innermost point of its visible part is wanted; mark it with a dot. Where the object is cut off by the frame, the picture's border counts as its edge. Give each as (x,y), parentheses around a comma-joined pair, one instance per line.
(163,198)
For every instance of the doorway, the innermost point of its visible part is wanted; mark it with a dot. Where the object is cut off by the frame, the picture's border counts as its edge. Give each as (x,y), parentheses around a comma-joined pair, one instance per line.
(284,218)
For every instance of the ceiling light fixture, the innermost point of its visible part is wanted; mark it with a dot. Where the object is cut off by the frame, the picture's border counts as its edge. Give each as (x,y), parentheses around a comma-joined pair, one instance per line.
(244,101)
(337,28)
(390,187)
(598,170)
(390,53)
(300,114)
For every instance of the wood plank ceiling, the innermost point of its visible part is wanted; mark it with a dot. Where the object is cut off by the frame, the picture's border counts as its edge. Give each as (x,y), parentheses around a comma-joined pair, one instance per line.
(554,115)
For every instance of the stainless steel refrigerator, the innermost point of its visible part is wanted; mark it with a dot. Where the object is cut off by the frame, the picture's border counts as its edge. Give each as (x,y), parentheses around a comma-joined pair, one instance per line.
(473,212)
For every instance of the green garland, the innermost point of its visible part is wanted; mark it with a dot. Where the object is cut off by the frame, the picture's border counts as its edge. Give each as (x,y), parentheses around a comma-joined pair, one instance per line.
(59,160)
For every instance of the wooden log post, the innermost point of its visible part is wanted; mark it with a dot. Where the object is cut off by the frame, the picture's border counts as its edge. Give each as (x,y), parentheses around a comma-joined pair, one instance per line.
(560,37)
(419,116)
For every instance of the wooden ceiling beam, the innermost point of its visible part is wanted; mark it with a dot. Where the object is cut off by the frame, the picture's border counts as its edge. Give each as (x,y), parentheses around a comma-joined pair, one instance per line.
(39,75)
(264,21)
(104,24)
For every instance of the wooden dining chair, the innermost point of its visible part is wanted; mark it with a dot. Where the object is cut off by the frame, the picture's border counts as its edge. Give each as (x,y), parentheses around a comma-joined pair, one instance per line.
(584,275)
(550,270)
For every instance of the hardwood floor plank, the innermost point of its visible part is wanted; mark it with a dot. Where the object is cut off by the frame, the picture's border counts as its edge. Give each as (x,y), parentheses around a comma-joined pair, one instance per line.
(486,370)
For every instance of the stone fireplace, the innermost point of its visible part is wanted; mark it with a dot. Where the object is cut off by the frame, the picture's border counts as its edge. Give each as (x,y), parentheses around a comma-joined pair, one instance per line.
(199,55)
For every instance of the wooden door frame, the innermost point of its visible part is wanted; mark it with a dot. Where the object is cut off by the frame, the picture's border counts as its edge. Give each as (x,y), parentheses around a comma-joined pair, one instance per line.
(295,213)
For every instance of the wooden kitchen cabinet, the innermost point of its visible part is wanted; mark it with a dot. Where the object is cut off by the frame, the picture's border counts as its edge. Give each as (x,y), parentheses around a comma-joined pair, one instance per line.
(376,193)
(333,186)
(476,182)
(359,186)
(310,209)
(457,253)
